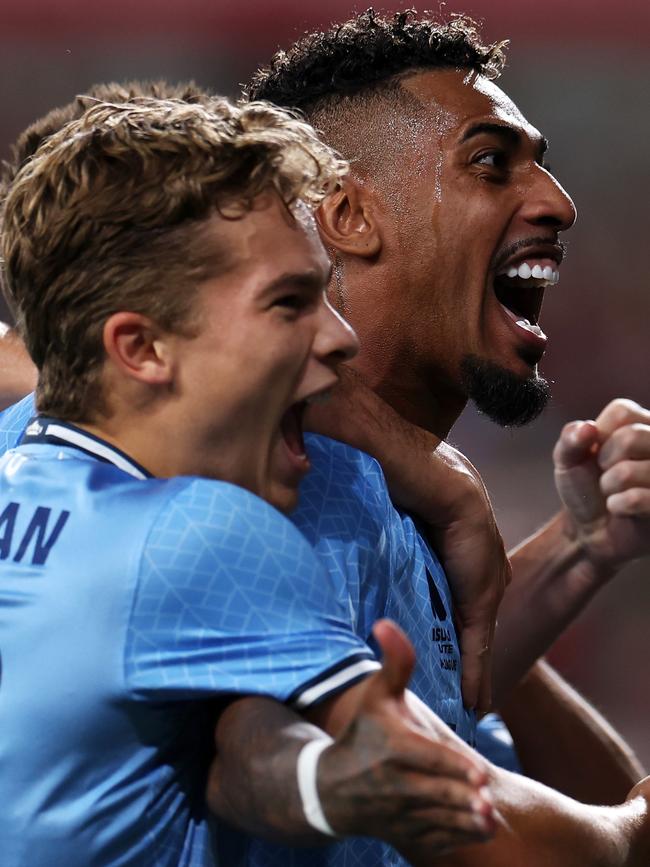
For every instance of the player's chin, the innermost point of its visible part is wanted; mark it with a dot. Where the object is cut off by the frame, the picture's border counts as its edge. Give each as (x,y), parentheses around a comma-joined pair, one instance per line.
(283,496)
(285,471)
(511,395)
(517,362)
(288,461)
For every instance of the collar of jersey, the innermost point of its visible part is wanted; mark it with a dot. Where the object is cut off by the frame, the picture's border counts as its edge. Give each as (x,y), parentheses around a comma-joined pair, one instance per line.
(53,431)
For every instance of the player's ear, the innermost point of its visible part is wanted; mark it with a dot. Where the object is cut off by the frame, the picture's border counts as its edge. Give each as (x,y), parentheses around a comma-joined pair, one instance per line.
(348,220)
(138,348)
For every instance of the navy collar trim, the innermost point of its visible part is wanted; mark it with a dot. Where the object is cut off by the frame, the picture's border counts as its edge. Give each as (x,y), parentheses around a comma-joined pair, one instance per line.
(42,429)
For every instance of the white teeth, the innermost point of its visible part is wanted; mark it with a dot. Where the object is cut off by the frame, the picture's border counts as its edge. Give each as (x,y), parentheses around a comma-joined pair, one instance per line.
(525,324)
(524,271)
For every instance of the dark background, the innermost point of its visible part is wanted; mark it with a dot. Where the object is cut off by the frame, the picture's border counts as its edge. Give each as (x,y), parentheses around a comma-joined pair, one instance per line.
(580,71)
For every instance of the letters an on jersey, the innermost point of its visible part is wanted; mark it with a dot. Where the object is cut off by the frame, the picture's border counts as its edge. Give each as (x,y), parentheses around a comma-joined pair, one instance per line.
(42,530)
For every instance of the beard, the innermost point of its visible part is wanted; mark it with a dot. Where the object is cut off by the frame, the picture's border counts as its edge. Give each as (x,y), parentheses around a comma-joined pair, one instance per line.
(507,399)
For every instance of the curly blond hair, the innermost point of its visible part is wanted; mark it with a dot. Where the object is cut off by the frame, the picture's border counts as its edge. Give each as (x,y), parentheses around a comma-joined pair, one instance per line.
(107,216)
(31,138)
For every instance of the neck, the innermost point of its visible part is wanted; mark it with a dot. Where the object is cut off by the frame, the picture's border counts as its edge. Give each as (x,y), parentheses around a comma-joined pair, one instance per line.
(433,409)
(168,444)
(423,397)
(147,428)
(139,445)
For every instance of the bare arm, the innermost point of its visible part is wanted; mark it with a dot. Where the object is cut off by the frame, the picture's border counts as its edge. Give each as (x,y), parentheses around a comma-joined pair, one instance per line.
(17,371)
(362,788)
(384,776)
(539,827)
(565,743)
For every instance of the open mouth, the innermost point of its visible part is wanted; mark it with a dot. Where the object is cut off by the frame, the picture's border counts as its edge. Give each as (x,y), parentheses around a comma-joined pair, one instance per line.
(291,428)
(291,424)
(519,288)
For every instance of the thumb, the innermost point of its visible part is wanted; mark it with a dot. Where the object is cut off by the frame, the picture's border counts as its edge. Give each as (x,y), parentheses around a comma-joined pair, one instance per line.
(577,475)
(578,442)
(398,658)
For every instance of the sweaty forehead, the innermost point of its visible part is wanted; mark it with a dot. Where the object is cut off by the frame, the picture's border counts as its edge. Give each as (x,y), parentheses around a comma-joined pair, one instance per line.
(456,98)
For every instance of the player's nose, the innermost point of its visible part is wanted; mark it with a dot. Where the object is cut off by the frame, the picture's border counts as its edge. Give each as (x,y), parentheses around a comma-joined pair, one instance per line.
(335,340)
(547,203)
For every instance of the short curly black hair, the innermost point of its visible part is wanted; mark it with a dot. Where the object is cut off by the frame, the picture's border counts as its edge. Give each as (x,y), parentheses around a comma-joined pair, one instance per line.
(369,51)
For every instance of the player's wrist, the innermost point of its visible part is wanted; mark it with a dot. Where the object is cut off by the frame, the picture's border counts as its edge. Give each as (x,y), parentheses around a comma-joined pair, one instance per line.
(307,774)
(593,563)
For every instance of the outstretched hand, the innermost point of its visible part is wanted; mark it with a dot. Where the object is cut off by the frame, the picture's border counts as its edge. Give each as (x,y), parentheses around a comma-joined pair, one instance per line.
(437,483)
(388,775)
(602,473)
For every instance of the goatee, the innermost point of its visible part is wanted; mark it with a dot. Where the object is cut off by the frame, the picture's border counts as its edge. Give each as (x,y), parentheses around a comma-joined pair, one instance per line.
(507,399)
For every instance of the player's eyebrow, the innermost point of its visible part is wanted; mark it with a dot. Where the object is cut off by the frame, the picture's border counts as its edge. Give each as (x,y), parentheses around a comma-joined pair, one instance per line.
(313,279)
(512,136)
(505,132)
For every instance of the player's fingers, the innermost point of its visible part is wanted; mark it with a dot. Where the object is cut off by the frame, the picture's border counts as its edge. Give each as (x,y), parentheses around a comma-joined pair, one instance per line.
(625,475)
(577,473)
(478,621)
(415,791)
(438,827)
(398,659)
(461,820)
(576,444)
(449,794)
(621,412)
(484,701)
(441,827)
(631,442)
(475,641)
(423,851)
(426,756)
(633,503)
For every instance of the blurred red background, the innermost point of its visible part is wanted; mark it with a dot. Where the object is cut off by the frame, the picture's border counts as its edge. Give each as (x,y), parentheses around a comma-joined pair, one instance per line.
(580,71)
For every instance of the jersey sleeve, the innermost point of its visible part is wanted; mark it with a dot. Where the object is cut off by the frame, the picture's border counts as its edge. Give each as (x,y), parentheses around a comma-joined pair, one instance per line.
(230,599)
(13,422)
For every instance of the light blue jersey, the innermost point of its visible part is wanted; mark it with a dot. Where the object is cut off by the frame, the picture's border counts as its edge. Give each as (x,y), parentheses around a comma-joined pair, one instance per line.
(384,568)
(381,566)
(13,422)
(126,604)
